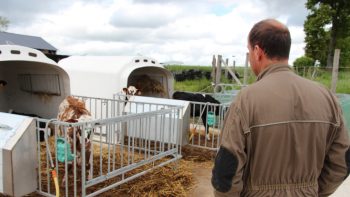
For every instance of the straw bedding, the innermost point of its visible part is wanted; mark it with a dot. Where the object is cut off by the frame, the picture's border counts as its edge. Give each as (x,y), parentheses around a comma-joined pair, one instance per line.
(174,179)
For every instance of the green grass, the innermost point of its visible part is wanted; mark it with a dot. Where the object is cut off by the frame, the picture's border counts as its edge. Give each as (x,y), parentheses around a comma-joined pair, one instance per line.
(198,85)
(178,68)
(323,76)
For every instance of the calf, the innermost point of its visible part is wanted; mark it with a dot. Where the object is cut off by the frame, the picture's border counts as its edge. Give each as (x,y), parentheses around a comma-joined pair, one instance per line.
(129,93)
(73,110)
(196,110)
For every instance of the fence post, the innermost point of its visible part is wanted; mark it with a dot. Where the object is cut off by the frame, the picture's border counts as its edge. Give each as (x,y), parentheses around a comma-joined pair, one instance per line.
(246,69)
(218,70)
(213,71)
(234,65)
(335,70)
(226,72)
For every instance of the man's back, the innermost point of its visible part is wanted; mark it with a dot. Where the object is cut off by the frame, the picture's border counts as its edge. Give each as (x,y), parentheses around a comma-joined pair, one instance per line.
(291,123)
(284,135)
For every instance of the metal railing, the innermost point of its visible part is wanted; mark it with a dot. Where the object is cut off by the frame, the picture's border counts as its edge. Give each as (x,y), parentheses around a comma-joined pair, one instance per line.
(205,120)
(114,148)
(205,127)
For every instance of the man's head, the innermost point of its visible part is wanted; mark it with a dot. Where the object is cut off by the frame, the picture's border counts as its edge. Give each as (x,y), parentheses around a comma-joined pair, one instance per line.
(268,43)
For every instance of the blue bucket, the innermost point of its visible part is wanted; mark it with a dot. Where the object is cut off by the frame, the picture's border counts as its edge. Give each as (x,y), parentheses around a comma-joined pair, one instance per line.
(62,146)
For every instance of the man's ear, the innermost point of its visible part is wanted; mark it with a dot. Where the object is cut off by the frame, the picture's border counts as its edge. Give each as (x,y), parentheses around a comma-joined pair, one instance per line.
(259,53)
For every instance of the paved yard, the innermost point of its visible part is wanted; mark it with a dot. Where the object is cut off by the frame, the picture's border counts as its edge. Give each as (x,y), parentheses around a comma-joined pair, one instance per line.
(203,186)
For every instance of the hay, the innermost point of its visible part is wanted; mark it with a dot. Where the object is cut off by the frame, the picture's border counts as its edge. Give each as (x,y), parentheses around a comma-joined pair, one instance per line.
(200,130)
(197,155)
(174,179)
(146,84)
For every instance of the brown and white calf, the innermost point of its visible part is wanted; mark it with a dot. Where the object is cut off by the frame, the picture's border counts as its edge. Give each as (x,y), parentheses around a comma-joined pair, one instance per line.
(129,93)
(73,110)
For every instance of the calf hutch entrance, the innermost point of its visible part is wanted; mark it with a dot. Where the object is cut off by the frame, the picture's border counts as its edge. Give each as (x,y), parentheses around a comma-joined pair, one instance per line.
(30,83)
(104,76)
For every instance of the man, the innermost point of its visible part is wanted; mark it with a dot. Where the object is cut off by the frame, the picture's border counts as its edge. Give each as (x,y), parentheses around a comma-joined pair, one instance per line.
(284,135)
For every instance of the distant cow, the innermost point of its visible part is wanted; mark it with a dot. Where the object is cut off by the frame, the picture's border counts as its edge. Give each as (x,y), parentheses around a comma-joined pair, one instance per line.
(73,110)
(131,91)
(196,109)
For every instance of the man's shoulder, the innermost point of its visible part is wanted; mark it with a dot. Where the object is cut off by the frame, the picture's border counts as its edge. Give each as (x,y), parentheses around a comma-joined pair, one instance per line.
(270,83)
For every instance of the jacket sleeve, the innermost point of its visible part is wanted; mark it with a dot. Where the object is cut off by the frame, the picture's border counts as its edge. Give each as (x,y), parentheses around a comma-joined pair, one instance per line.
(337,162)
(231,157)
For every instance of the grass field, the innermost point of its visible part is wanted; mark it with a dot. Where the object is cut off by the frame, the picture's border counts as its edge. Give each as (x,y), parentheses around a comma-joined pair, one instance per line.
(203,85)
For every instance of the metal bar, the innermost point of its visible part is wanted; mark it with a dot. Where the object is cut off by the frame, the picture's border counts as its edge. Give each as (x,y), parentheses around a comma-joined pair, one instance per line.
(148,128)
(129,178)
(83,162)
(129,168)
(65,162)
(109,136)
(75,160)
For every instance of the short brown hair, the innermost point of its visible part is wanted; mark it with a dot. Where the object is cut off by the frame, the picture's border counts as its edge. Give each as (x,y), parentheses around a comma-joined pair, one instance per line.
(272,37)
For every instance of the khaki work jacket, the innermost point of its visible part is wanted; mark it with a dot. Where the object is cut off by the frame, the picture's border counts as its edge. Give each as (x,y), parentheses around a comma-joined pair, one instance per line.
(283,136)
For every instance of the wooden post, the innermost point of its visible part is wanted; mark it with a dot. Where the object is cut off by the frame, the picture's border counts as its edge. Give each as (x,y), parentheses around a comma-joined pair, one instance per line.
(232,74)
(226,72)
(335,70)
(213,71)
(218,70)
(246,69)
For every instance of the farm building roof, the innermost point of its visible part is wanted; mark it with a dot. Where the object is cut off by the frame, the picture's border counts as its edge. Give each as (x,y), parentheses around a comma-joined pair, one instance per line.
(25,40)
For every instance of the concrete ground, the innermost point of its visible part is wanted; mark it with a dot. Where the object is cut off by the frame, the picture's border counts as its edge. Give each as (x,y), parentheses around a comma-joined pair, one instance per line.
(343,190)
(203,187)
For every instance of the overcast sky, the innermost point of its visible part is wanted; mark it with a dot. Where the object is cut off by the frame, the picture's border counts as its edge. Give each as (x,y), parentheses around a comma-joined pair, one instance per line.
(190,31)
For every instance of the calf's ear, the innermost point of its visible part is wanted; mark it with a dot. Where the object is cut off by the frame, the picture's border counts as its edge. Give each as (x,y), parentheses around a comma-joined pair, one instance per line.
(138,92)
(125,90)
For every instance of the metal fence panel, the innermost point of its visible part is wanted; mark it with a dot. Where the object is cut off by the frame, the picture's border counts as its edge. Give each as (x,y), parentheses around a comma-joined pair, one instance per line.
(124,147)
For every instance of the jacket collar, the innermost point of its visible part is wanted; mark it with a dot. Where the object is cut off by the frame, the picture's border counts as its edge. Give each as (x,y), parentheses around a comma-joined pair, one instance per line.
(272,69)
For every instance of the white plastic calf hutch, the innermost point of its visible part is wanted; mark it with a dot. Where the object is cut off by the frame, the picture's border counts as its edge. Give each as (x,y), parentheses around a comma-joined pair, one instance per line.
(31,82)
(17,155)
(104,76)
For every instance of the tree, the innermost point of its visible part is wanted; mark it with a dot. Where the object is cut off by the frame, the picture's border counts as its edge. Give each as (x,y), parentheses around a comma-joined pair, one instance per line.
(326,27)
(304,61)
(4,22)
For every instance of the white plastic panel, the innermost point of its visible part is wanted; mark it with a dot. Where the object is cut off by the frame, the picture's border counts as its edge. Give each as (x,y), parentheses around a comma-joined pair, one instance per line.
(8,127)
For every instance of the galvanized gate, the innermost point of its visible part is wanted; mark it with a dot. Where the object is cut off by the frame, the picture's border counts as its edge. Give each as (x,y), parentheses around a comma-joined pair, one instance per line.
(207,135)
(199,134)
(123,147)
